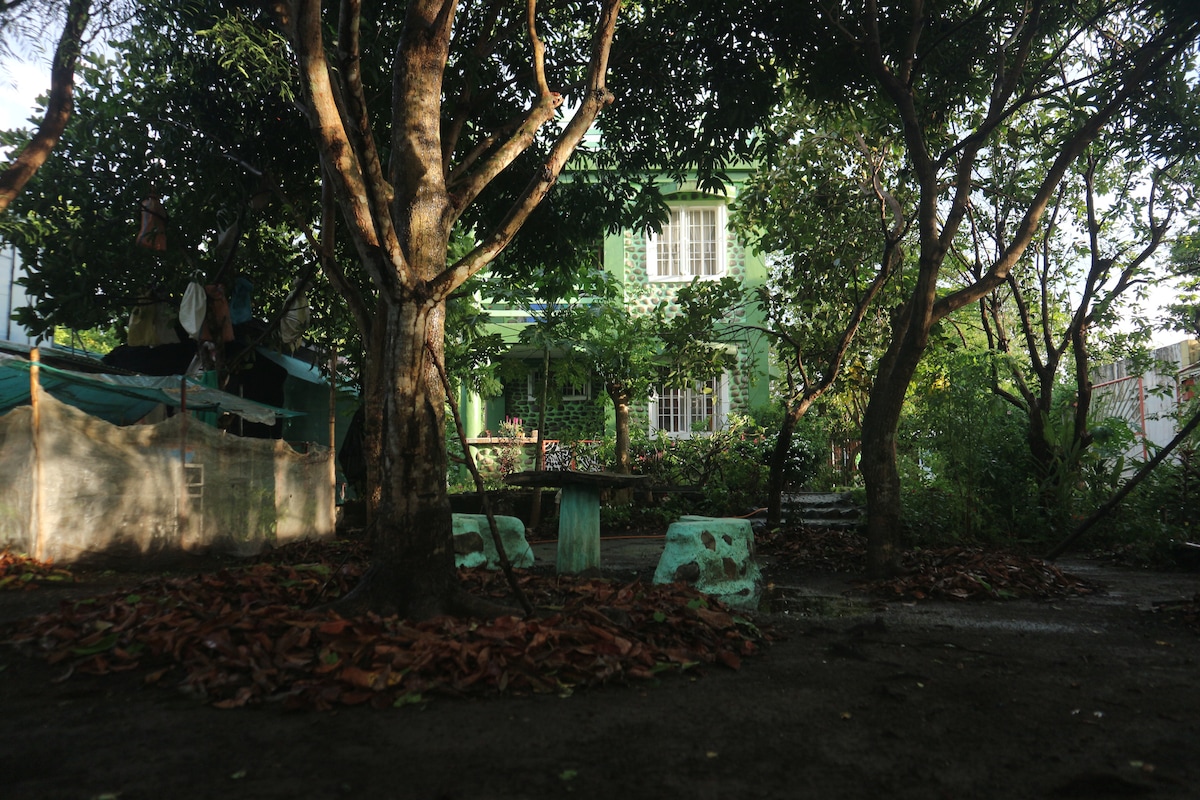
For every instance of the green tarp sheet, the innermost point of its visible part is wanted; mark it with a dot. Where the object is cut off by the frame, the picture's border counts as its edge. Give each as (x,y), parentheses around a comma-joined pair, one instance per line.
(124,399)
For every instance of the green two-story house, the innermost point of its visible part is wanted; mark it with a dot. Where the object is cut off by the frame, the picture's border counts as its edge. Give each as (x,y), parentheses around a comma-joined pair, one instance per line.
(650,267)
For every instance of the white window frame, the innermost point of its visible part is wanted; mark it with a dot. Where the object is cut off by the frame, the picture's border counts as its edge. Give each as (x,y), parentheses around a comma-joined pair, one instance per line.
(689,400)
(681,229)
(577,393)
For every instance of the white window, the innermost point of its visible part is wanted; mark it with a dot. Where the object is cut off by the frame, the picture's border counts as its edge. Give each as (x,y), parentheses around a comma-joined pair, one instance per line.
(572,392)
(691,244)
(697,409)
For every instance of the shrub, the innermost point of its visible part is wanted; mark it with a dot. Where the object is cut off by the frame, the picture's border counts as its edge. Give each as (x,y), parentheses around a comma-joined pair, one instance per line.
(807,465)
(727,467)
(1157,518)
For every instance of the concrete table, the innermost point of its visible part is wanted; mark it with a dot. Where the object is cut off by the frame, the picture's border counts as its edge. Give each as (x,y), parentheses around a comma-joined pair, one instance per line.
(579,511)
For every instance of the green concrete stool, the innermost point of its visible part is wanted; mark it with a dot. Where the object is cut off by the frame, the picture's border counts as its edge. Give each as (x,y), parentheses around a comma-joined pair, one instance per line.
(715,555)
(473,545)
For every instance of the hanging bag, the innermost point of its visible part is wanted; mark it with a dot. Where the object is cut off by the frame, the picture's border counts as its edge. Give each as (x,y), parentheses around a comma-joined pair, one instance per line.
(193,309)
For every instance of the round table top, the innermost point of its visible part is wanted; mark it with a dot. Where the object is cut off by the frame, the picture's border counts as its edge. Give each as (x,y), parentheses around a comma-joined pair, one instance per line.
(566,477)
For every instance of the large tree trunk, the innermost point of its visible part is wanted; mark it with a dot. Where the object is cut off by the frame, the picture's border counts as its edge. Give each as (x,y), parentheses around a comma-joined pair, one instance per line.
(882,479)
(1049,464)
(881,420)
(412,569)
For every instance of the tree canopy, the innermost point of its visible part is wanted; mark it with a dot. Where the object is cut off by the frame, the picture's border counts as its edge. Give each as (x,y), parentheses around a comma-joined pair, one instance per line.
(947,79)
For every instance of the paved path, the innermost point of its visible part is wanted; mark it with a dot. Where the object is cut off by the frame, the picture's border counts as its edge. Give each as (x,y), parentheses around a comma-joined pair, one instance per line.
(617,554)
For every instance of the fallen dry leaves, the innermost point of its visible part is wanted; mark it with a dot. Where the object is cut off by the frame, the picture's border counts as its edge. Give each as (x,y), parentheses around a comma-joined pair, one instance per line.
(22,572)
(954,573)
(824,549)
(244,635)
(966,573)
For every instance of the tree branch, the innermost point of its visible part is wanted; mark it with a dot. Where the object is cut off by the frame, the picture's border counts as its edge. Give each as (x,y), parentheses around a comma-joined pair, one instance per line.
(596,99)
(380,255)
(1150,57)
(58,108)
(469,460)
(1129,485)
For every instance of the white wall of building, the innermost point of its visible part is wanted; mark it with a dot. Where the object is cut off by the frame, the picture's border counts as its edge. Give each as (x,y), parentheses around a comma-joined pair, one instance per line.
(1148,401)
(12,297)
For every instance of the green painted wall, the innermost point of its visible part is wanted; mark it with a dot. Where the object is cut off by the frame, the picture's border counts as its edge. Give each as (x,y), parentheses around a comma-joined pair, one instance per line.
(625,259)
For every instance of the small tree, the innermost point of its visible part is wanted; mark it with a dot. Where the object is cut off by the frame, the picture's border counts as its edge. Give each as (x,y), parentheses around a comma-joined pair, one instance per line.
(622,350)
(820,209)
(631,353)
(1112,220)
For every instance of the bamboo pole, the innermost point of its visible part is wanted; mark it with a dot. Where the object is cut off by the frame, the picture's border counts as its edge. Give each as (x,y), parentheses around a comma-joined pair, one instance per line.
(184,500)
(333,441)
(39,546)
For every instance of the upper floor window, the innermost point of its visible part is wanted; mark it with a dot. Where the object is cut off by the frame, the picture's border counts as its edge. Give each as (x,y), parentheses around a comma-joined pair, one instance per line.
(691,244)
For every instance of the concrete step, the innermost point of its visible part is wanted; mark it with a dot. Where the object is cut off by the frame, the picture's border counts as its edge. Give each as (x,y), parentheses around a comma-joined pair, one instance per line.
(822,509)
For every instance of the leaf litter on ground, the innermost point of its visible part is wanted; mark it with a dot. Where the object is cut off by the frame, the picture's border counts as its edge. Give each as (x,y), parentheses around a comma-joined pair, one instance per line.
(951,573)
(23,572)
(250,634)
(970,573)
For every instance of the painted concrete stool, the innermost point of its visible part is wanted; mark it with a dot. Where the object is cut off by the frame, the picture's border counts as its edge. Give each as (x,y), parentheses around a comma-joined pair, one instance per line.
(715,555)
(473,545)
(578,512)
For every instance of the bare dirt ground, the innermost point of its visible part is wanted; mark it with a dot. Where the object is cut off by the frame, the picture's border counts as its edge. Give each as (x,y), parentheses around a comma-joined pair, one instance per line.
(1088,697)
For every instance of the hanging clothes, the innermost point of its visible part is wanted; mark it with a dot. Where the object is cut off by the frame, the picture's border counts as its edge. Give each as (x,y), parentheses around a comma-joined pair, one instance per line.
(241,306)
(295,322)
(142,329)
(152,322)
(218,324)
(153,232)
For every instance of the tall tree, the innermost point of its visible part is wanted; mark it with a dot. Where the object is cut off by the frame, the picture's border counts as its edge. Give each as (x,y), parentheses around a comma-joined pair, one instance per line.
(953,75)
(400,203)
(435,118)
(467,112)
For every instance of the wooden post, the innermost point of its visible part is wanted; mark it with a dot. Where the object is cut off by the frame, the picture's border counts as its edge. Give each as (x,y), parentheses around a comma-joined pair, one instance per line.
(39,546)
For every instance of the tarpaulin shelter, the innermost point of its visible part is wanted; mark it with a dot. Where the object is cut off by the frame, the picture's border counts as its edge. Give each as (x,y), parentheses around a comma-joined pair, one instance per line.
(268,377)
(76,485)
(125,399)
(307,389)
